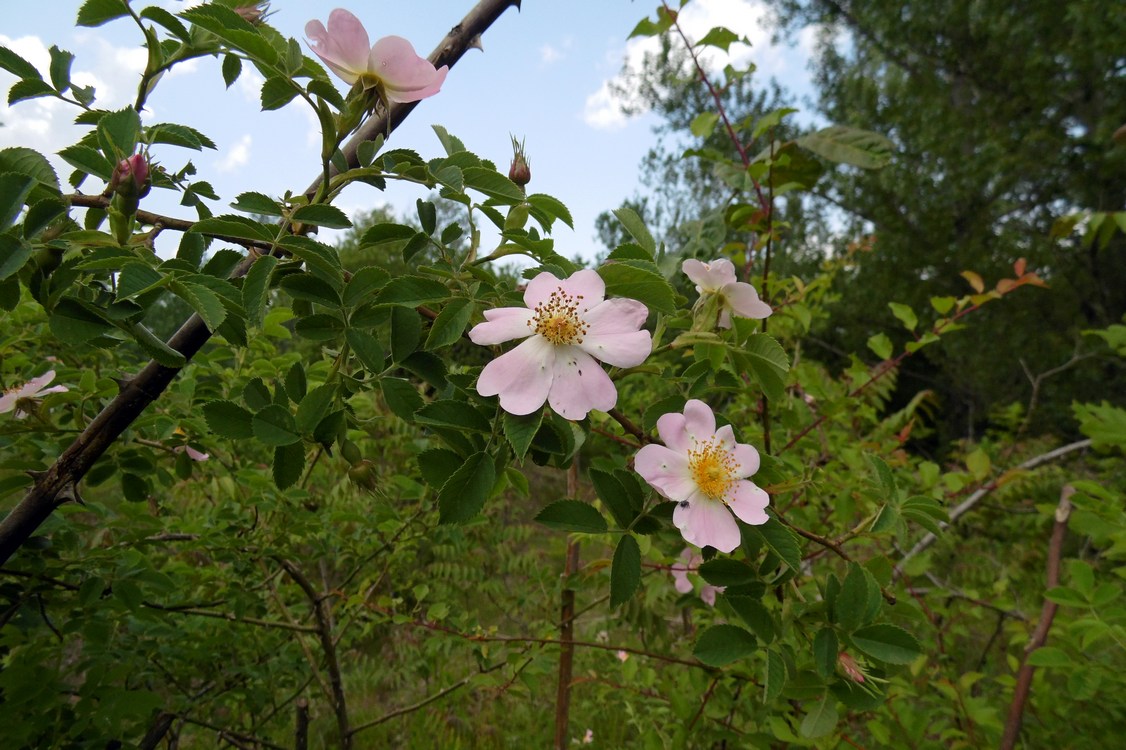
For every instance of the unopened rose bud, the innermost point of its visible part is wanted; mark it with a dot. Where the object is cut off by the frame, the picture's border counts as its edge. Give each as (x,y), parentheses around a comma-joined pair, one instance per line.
(131,178)
(363,474)
(850,667)
(519,172)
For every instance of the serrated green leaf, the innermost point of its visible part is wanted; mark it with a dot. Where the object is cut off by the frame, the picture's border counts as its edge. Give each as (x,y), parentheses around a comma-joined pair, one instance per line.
(905,315)
(289,464)
(256,288)
(704,124)
(89,160)
(204,301)
(406,332)
(464,493)
(720,645)
(613,494)
(14,189)
(437,465)
(880,345)
(887,643)
(450,413)
(275,426)
(845,145)
(401,396)
(314,406)
(29,88)
(75,324)
(119,132)
(137,278)
(322,215)
(766,358)
(13,254)
(519,431)
(724,571)
(16,65)
(1050,656)
(545,209)
(493,184)
(637,229)
(782,541)
(450,323)
(625,571)
(720,37)
(96,12)
(754,613)
(775,677)
(319,327)
(228,419)
(851,603)
(572,516)
(367,349)
(411,291)
(626,280)
(821,720)
(235,227)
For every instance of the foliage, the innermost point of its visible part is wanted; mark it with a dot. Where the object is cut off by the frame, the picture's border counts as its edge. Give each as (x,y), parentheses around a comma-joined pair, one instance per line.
(300,507)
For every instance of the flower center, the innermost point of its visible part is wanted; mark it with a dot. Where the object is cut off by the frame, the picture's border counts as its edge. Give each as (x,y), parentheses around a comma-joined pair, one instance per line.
(712,468)
(557,319)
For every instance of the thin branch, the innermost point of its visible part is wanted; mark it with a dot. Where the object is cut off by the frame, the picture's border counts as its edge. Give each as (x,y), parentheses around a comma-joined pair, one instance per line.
(567,627)
(1047,614)
(968,504)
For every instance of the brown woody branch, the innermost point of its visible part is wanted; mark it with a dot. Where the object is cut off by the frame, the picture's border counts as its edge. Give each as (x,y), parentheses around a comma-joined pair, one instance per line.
(1047,614)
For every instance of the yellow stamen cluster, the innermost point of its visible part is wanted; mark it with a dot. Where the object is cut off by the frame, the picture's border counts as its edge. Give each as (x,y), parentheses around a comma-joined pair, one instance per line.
(713,468)
(558,321)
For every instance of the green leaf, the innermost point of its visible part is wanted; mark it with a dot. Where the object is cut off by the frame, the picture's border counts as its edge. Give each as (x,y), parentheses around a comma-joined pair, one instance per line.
(74,324)
(322,215)
(137,278)
(720,645)
(314,406)
(228,419)
(256,288)
(309,287)
(720,37)
(406,331)
(401,396)
(546,209)
(723,571)
(880,345)
(822,719)
(520,429)
(29,88)
(437,465)
(754,613)
(782,541)
(89,160)
(905,315)
(17,66)
(1050,656)
(96,12)
(14,189)
(775,678)
(637,229)
(13,254)
(411,291)
(204,301)
(825,651)
(1068,597)
(319,327)
(704,124)
(860,148)
(626,280)
(367,349)
(613,494)
(232,68)
(493,184)
(119,132)
(234,30)
(275,426)
(289,464)
(450,323)
(887,643)
(257,203)
(450,413)
(364,283)
(572,515)
(60,68)
(625,571)
(766,358)
(851,603)
(464,494)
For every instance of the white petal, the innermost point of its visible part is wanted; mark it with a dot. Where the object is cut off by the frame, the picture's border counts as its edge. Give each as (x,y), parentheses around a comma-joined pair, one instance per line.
(707,523)
(699,421)
(522,377)
(502,324)
(665,470)
(579,384)
(749,503)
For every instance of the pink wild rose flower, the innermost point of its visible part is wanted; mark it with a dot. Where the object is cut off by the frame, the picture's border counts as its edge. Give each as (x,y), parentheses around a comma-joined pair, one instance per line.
(734,297)
(390,66)
(16,398)
(569,328)
(689,561)
(704,471)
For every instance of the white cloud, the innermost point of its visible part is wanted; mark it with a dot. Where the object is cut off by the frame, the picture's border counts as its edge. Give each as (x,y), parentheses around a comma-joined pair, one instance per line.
(237,156)
(747,18)
(549,54)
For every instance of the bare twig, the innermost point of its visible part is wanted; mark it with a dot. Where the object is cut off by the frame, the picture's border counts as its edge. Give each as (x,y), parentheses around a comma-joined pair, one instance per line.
(1047,614)
(968,504)
(567,624)
(301,730)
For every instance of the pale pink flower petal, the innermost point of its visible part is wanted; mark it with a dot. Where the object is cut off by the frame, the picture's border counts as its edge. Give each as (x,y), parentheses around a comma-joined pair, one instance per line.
(613,336)
(579,385)
(343,46)
(406,77)
(666,470)
(744,301)
(708,592)
(706,523)
(538,290)
(623,656)
(522,377)
(680,571)
(749,502)
(33,388)
(709,277)
(699,421)
(502,324)
(673,434)
(589,289)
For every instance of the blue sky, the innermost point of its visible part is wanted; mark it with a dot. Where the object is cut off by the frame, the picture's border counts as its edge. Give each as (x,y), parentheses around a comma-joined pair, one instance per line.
(542,76)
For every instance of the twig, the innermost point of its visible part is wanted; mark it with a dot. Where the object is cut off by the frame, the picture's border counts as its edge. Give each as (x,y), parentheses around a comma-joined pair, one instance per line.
(968,504)
(301,728)
(1047,614)
(567,624)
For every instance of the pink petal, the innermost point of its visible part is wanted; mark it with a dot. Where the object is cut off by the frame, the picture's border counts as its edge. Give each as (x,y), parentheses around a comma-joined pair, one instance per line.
(540,288)
(707,593)
(746,460)
(343,47)
(680,579)
(406,77)
(709,277)
(588,285)
(744,301)
(749,503)
(522,377)
(699,421)
(502,324)
(671,429)
(33,386)
(706,523)
(579,384)
(8,402)
(665,470)
(613,336)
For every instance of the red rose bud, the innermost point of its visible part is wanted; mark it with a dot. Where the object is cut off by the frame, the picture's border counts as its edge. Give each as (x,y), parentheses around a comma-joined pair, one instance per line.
(519,172)
(253,12)
(131,178)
